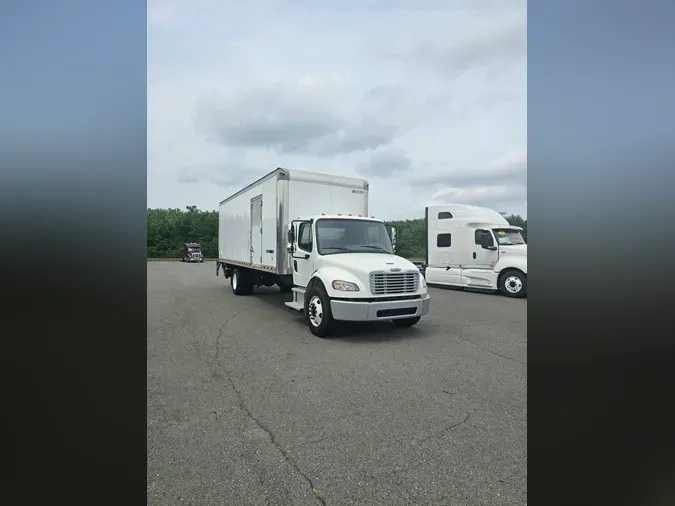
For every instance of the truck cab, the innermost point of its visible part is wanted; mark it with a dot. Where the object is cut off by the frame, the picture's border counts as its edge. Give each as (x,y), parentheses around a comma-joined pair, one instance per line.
(345,268)
(475,247)
(192,252)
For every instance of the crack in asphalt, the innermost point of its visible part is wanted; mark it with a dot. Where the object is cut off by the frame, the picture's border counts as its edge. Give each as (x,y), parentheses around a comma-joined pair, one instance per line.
(312,442)
(261,425)
(488,349)
(482,347)
(220,334)
(446,429)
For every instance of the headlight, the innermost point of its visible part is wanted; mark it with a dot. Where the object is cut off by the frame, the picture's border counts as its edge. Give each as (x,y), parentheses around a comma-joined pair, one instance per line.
(344,286)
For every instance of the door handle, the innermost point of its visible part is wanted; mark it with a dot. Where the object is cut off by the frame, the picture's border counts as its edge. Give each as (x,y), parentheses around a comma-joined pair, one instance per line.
(474,255)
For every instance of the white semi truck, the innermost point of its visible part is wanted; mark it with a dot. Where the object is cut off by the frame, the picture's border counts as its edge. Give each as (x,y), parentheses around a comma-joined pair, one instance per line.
(311,235)
(475,247)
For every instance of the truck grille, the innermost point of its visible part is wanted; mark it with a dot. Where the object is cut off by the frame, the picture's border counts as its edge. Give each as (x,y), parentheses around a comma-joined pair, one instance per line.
(385,283)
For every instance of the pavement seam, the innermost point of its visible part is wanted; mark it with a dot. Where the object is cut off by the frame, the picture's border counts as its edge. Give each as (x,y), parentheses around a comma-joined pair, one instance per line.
(262,426)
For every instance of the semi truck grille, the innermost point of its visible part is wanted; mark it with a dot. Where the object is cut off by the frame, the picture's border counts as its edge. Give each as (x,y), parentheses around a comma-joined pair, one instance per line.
(385,283)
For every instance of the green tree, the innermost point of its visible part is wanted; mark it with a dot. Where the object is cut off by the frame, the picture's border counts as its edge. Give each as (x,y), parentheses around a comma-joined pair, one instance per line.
(169,229)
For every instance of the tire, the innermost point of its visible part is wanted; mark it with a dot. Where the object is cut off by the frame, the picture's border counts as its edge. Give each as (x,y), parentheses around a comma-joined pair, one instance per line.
(317,311)
(407,322)
(513,284)
(240,282)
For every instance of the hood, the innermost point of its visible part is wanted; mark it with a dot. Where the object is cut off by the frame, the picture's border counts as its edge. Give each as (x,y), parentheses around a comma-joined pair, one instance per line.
(515,250)
(366,263)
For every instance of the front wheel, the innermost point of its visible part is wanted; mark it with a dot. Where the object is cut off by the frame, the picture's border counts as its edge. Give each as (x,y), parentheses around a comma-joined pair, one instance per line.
(407,322)
(513,284)
(317,311)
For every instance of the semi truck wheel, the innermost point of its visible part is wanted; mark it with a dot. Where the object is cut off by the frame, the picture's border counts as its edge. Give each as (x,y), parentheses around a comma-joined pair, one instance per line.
(407,322)
(240,281)
(317,311)
(513,284)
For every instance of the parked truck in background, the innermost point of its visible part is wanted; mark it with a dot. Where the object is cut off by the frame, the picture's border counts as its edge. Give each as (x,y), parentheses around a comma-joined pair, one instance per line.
(192,252)
(311,235)
(475,247)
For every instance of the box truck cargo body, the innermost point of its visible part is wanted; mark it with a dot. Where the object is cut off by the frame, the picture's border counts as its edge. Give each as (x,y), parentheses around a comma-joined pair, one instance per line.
(310,234)
(253,223)
(476,248)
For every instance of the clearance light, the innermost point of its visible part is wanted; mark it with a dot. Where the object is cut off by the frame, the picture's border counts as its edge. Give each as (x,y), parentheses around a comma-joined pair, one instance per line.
(339,214)
(323,214)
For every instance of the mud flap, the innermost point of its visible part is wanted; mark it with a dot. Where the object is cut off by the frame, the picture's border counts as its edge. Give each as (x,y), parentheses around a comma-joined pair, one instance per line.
(217,267)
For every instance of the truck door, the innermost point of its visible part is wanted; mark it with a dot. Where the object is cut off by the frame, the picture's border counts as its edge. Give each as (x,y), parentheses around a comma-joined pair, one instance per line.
(485,254)
(256,230)
(301,256)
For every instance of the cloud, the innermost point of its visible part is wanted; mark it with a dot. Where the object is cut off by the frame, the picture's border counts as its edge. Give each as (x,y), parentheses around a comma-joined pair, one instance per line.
(384,164)
(488,196)
(425,99)
(220,175)
(500,185)
(298,117)
(510,168)
(229,173)
(499,41)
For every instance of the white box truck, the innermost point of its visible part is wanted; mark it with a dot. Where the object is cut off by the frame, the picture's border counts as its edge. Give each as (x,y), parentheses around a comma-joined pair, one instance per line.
(311,235)
(475,247)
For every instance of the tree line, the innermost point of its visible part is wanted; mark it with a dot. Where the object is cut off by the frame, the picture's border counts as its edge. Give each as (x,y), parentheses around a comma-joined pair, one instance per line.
(169,229)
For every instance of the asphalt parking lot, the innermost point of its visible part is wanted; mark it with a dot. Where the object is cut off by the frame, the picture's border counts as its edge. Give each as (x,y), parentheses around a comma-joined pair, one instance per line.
(247,407)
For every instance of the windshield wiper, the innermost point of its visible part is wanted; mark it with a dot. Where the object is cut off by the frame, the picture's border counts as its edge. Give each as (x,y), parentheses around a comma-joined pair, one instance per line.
(372,246)
(339,248)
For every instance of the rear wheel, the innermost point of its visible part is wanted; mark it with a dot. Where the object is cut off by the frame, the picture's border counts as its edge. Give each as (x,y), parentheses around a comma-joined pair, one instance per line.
(407,322)
(241,282)
(317,311)
(513,284)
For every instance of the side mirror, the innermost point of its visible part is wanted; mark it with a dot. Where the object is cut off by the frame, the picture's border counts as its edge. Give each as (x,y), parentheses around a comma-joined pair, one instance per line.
(486,241)
(291,240)
(393,238)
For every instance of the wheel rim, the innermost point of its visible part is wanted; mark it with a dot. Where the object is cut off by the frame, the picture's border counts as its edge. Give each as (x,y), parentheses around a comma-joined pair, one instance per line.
(513,284)
(235,281)
(315,311)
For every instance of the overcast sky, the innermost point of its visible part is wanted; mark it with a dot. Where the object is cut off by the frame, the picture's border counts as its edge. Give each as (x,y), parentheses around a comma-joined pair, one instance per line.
(425,99)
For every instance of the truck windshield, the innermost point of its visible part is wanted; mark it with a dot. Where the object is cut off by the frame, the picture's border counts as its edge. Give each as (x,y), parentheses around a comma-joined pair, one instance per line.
(194,250)
(508,236)
(351,236)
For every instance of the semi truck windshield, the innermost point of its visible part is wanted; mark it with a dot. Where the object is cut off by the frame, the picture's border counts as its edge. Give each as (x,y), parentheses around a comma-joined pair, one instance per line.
(508,236)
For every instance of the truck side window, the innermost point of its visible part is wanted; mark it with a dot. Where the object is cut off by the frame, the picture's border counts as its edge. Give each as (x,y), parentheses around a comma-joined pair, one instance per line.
(305,237)
(443,240)
(479,236)
(444,215)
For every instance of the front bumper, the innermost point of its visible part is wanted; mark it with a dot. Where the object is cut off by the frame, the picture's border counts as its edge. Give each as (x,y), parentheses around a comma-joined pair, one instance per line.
(379,310)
